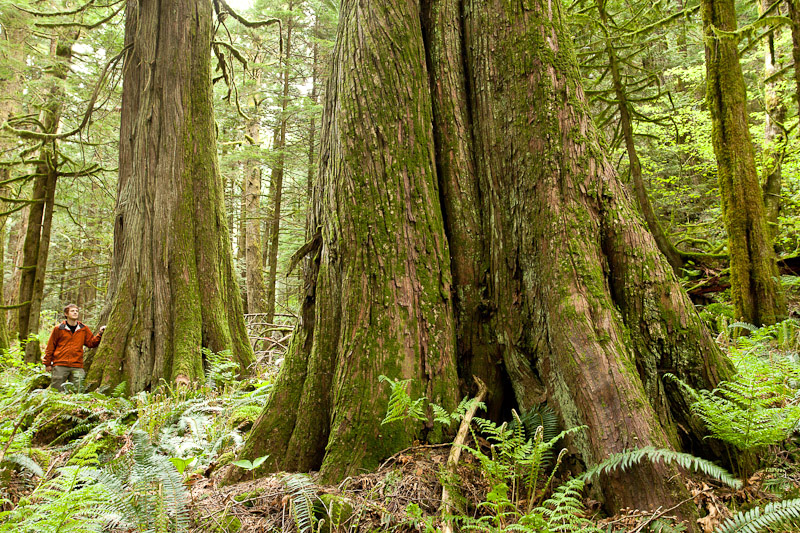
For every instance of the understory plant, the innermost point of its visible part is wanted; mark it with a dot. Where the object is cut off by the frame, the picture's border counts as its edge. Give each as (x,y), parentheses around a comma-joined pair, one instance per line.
(519,468)
(760,406)
(100,460)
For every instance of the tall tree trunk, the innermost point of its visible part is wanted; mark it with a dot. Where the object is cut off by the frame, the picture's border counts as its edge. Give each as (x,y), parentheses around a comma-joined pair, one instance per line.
(5,342)
(87,261)
(40,214)
(10,84)
(755,289)
(276,179)
(254,272)
(774,134)
(173,288)
(241,239)
(663,242)
(794,15)
(312,124)
(16,248)
(571,289)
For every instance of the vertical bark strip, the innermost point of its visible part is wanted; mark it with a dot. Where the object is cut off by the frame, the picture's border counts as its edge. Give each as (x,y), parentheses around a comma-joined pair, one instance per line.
(755,290)
(774,134)
(276,178)
(380,299)
(10,84)
(254,276)
(173,287)
(793,6)
(461,201)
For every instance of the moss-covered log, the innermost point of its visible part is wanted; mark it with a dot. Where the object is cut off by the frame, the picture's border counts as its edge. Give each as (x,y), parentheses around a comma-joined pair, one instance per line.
(172,289)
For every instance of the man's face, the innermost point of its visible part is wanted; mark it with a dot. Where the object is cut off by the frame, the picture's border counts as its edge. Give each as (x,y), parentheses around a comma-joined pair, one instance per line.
(72,313)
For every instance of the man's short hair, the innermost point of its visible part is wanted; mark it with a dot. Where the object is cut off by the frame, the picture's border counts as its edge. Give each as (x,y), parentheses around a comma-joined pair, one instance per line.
(68,307)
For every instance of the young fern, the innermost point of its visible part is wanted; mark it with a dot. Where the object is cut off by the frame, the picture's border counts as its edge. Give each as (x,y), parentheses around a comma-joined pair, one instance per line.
(25,462)
(401,406)
(564,510)
(302,493)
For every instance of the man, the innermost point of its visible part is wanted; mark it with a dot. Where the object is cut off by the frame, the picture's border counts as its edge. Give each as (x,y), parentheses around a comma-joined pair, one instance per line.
(63,357)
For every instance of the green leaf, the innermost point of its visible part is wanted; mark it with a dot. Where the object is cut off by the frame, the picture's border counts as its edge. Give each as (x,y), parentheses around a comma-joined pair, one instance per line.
(243,463)
(181,464)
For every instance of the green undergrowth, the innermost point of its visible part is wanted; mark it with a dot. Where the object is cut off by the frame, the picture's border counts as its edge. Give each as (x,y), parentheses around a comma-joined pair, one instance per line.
(106,461)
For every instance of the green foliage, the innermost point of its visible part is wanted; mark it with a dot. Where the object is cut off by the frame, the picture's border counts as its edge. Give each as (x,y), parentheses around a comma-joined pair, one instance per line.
(221,369)
(24,462)
(247,465)
(760,406)
(517,472)
(624,460)
(303,494)
(142,492)
(762,519)
(402,407)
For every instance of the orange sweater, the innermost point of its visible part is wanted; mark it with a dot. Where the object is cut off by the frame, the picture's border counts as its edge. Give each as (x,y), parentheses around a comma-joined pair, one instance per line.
(66,348)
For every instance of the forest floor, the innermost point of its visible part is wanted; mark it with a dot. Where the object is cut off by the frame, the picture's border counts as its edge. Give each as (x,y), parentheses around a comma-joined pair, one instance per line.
(380,500)
(68,458)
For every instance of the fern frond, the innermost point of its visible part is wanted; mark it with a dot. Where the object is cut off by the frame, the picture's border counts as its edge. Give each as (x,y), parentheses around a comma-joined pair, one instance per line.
(303,493)
(25,462)
(625,460)
(401,406)
(441,415)
(758,519)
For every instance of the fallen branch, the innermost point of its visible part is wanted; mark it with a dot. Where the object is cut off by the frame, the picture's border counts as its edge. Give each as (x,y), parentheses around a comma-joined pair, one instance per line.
(455,452)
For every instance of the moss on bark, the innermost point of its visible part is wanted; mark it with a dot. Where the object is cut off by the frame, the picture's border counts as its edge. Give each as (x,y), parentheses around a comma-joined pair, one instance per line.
(755,288)
(172,290)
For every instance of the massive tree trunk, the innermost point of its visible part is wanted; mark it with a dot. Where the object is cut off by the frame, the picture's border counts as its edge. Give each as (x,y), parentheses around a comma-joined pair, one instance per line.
(276,178)
(774,133)
(173,288)
(40,214)
(755,289)
(558,288)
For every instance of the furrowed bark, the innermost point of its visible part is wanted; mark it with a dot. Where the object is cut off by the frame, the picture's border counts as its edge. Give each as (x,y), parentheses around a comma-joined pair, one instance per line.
(462,204)
(755,290)
(379,301)
(556,278)
(173,288)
